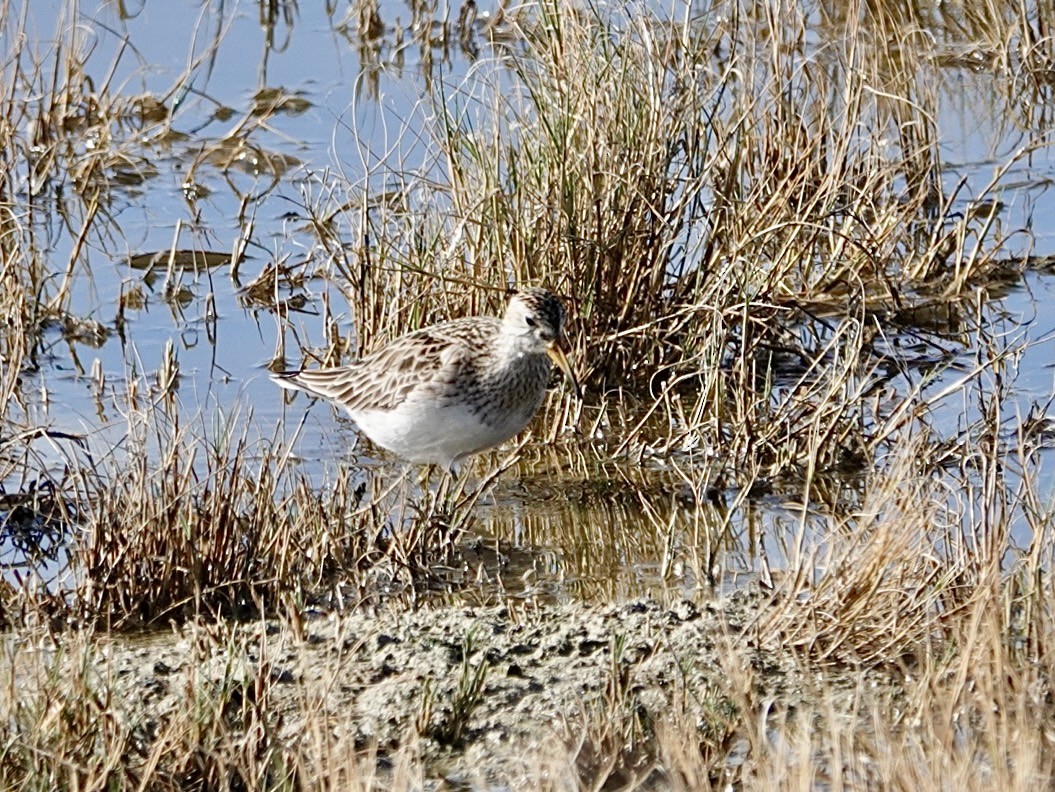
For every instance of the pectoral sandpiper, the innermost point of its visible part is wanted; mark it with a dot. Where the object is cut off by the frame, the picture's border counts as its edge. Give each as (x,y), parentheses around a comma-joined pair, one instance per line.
(442,393)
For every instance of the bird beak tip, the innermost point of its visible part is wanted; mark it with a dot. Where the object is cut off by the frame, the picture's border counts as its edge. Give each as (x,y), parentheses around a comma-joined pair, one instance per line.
(558,356)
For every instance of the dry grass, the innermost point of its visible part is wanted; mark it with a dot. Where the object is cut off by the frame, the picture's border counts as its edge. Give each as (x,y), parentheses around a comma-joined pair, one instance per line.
(741,236)
(745,231)
(223,735)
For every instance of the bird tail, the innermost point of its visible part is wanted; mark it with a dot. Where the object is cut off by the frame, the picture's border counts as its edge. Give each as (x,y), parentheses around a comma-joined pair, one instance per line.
(332,383)
(290,380)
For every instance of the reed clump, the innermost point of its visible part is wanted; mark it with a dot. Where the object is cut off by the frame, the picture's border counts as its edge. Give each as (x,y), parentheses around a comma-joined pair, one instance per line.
(222,525)
(741,232)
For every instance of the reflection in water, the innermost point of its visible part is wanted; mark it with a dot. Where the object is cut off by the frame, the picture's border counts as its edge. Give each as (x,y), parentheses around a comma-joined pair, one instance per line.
(560,526)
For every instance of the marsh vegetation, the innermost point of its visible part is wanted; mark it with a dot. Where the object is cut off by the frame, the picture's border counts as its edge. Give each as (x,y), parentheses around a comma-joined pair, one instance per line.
(806,251)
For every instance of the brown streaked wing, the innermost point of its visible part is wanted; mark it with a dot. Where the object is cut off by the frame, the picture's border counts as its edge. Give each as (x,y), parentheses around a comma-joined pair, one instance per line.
(384,379)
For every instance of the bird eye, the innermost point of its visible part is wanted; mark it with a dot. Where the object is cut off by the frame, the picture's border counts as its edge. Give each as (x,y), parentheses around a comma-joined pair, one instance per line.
(531,321)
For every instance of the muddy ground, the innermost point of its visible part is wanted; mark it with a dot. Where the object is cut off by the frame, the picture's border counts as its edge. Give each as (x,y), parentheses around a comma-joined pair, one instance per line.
(542,675)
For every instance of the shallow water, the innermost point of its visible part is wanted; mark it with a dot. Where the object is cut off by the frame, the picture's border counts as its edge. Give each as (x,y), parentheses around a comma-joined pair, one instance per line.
(341,105)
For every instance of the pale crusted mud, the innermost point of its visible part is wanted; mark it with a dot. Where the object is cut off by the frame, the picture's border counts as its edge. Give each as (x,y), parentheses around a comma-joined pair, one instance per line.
(390,677)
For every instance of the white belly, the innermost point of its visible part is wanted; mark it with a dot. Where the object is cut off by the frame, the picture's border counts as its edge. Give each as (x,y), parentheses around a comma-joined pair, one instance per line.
(435,435)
